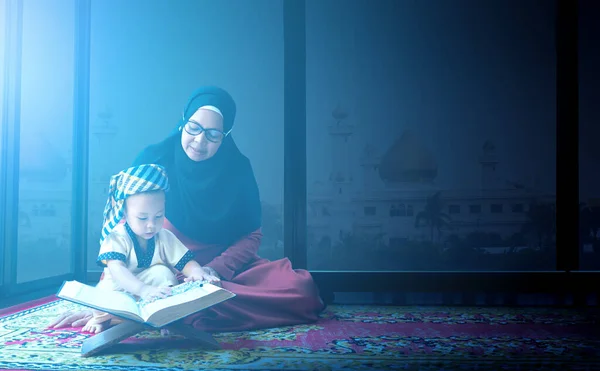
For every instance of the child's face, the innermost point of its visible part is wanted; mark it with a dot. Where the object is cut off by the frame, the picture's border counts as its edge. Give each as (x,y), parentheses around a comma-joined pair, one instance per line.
(144,212)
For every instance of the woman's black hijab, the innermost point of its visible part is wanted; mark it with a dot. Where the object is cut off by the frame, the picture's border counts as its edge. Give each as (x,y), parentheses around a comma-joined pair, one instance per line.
(215,201)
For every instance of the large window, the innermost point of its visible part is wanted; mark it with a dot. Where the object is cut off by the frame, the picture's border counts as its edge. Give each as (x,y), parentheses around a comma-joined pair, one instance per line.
(46,119)
(589,132)
(147,57)
(3,153)
(39,94)
(3,46)
(430,132)
(431,135)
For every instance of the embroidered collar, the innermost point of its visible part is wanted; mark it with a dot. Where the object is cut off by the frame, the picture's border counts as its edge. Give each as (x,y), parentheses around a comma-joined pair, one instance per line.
(144,258)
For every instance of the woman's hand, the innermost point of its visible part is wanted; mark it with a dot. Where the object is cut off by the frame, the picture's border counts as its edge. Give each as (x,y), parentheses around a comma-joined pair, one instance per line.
(212,272)
(71,319)
(203,274)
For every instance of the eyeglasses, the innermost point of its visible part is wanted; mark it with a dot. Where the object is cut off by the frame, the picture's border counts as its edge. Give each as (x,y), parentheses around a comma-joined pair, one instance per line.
(212,135)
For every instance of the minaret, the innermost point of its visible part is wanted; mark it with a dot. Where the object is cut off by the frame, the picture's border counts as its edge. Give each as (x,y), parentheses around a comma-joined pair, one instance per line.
(341,175)
(340,178)
(370,165)
(489,166)
(103,134)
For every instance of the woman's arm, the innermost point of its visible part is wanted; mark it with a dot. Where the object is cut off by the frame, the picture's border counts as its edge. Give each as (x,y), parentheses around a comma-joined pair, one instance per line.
(237,256)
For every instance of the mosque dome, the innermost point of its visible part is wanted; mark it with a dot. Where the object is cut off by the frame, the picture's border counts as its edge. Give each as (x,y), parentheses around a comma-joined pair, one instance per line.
(408,160)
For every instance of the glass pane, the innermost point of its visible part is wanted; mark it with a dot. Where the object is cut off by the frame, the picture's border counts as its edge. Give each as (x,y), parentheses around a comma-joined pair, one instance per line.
(589,132)
(2,50)
(141,78)
(2,154)
(431,135)
(45,147)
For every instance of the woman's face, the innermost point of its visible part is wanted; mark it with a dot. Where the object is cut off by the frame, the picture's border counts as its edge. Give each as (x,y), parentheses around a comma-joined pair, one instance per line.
(202,135)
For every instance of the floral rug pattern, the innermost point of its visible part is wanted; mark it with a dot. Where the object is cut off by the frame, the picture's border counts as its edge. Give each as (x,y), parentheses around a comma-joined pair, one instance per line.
(345,338)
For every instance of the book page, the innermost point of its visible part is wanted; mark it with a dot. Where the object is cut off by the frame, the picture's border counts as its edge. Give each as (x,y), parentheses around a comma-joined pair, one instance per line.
(168,315)
(97,298)
(180,294)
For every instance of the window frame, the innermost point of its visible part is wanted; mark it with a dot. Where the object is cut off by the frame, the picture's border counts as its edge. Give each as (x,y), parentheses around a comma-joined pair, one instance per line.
(9,159)
(566,277)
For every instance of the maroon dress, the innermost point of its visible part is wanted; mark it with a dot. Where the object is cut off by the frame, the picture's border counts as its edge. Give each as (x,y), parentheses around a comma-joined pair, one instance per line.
(268,293)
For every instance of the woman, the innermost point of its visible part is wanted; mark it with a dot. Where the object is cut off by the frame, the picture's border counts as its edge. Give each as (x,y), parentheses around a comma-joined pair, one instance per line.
(214,208)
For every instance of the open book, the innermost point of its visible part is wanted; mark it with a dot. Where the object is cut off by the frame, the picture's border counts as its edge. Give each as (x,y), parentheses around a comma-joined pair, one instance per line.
(185,299)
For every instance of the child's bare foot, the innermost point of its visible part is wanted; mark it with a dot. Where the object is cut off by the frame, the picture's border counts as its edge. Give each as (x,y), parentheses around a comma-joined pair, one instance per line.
(96,328)
(96,325)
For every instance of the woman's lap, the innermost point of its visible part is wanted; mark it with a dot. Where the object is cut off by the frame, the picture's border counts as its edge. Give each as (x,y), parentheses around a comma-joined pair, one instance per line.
(268,294)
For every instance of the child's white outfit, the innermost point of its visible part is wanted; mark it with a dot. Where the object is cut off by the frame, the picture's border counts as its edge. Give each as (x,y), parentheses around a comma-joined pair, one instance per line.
(157,265)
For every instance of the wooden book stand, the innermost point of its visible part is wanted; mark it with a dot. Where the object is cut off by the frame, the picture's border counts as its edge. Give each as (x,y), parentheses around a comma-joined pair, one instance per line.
(126,329)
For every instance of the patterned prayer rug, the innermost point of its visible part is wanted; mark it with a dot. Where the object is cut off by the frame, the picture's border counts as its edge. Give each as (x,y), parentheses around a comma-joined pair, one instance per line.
(345,338)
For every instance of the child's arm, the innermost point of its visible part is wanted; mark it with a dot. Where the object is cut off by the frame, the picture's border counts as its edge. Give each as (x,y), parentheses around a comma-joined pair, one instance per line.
(130,283)
(194,272)
(182,259)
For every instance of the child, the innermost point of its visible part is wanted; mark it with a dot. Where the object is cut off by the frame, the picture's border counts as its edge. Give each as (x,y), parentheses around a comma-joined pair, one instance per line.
(138,256)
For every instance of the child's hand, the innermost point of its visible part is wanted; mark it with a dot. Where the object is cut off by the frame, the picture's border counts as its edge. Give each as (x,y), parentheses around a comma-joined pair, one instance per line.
(148,292)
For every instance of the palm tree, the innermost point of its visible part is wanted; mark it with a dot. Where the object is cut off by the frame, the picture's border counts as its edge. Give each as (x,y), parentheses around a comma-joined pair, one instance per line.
(355,248)
(542,222)
(586,228)
(433,216)
(272,229)
(589,224)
